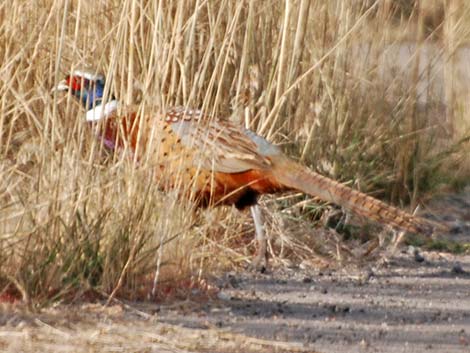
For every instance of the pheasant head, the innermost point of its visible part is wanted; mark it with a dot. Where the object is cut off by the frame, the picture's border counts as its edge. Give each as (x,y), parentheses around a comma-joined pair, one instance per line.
(88,88)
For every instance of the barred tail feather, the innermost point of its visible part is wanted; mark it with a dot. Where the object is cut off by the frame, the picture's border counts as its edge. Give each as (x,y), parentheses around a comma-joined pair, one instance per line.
(295,176)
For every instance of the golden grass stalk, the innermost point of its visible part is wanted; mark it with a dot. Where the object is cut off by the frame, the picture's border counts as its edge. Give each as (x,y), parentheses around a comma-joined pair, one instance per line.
(330,80)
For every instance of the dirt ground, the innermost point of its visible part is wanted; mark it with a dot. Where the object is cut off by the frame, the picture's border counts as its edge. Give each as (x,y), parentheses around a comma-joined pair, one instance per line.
(414,302)
(403,306)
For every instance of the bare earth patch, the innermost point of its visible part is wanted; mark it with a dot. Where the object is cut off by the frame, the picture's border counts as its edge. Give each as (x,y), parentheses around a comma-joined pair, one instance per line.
(404,306)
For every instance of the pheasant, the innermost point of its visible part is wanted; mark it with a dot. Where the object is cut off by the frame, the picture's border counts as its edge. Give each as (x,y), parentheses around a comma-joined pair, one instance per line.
(227,164)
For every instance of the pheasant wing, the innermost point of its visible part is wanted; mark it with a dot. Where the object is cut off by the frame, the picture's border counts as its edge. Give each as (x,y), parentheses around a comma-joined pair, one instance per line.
(220,145)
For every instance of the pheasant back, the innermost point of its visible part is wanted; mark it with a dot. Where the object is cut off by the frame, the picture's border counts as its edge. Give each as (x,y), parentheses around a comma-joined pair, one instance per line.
(215,162)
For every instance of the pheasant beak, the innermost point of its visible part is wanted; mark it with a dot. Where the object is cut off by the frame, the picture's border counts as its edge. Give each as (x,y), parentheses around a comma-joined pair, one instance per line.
(61,87)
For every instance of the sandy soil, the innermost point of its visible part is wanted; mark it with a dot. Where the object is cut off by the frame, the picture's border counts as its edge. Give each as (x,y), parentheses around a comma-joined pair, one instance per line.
(414,302)
(403,306)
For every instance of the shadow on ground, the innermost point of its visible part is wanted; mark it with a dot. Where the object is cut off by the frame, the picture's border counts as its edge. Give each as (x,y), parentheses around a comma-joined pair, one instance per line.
(403,307)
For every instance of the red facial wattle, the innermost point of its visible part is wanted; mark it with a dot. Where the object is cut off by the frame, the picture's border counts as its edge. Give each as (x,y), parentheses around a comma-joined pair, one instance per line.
(75,83)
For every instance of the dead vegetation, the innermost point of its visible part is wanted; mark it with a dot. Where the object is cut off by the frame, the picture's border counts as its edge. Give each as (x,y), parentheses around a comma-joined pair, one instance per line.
(94,328)
(311,76)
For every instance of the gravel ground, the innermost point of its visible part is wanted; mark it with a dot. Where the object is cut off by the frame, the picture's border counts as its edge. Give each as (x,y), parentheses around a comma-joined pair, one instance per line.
(414,302)
(404,306)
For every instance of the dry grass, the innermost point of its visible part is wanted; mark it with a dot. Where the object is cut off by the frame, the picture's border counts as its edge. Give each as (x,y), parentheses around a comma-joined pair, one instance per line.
(371,92)
(94,328)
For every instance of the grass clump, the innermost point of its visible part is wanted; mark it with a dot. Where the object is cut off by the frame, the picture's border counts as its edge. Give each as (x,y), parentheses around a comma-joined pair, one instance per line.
(367,92)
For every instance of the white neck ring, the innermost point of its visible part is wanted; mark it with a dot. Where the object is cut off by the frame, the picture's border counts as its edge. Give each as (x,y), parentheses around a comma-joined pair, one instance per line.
(99,112)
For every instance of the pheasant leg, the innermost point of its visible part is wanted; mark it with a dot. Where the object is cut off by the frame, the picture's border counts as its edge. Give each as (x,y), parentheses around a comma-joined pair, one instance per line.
(261,259)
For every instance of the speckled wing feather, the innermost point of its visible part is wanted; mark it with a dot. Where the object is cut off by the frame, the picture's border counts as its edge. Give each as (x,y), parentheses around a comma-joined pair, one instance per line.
(219,146)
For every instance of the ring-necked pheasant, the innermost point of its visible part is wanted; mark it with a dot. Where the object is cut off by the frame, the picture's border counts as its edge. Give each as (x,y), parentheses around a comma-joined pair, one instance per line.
(227,163)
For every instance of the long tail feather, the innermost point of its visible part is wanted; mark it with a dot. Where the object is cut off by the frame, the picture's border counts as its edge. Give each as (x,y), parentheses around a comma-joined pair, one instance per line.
(296,176)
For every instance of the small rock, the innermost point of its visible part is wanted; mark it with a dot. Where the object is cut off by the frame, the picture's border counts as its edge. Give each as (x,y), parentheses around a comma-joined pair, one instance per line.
(456,229)
(419,257)
(415,253)
(233,281)
(307,280)
(365,277)
(224,296)
(448,218)
(457,268)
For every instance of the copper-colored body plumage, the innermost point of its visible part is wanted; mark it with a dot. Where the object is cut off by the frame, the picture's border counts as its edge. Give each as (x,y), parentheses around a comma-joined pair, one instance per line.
(227,164)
